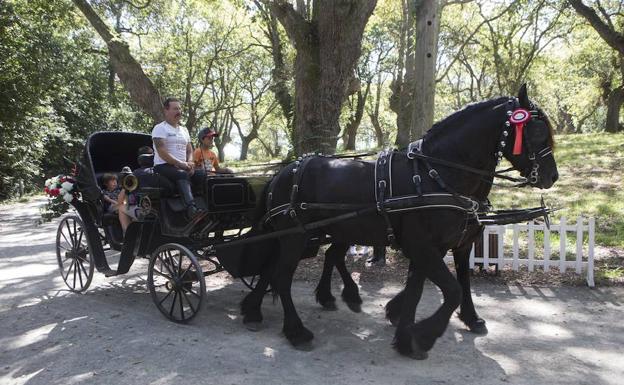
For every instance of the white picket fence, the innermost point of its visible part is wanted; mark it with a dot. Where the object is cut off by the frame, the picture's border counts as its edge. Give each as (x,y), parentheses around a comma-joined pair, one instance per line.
(525,251)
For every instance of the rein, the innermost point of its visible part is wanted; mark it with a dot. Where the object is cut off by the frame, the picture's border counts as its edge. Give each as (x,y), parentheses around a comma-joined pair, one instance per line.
(496,174)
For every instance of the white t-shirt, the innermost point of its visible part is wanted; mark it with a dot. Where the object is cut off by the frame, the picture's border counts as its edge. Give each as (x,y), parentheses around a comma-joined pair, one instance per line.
(176,140)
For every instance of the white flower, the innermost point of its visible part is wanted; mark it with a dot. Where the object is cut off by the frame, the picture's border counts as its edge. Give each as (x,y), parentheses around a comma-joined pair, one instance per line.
(68,197)
(67,186)
(48,183)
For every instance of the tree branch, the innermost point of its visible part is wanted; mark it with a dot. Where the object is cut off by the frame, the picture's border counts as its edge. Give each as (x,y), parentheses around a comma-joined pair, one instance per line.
(613,38)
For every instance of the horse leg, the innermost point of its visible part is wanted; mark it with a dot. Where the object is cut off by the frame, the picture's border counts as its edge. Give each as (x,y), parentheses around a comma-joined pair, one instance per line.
(291,249)
(425,332)
(323,289)
(403,307)
(467,312)
(350,292)
(393,307)
(252,303)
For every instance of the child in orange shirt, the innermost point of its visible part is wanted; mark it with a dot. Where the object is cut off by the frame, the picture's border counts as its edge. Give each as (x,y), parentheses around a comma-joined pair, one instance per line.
(203,156)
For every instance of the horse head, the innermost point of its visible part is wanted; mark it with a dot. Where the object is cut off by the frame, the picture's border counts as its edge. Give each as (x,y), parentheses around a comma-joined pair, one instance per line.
(530,141)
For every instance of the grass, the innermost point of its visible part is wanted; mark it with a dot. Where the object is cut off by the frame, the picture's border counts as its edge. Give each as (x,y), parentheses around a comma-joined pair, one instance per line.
(590,184)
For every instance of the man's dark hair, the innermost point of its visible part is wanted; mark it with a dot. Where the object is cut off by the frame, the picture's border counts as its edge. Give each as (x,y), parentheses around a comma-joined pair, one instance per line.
(169,101)
(145,150)
(108,177)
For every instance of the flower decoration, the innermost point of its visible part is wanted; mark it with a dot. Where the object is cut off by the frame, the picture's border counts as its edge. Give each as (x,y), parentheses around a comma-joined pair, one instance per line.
(60,191)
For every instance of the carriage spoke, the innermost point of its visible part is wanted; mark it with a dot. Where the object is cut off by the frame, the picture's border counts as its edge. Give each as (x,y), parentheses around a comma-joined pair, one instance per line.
(189,301)
(80,273)
(74,285)
(69,270)
(163,263)
(191,292)
(160,273)
(181,305)
(66,240)
(80,238)
(165,297)
(170,260)
(83,268)
(175,296)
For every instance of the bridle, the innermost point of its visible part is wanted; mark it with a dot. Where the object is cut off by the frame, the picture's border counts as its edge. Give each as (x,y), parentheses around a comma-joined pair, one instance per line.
(516,117)
(520,118)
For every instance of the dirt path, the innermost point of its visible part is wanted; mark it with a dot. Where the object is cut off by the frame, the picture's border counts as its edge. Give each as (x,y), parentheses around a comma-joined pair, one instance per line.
(113,334)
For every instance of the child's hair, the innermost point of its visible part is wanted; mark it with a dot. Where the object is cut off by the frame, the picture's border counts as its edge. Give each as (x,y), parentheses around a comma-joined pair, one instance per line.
(108,177)
(145,150)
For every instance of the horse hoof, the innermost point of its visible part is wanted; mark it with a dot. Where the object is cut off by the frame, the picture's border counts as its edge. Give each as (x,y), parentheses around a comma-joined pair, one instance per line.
(300,337)
(418,355)
(304,347)
(478,327)
(330,306)
(253,326)
(355,307)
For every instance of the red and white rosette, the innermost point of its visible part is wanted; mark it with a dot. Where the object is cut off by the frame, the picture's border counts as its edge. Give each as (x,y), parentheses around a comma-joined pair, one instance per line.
(518,118)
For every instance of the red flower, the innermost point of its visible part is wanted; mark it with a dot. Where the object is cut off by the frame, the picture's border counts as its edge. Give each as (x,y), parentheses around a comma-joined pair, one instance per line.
(63,179)
(46,190)
(54,192)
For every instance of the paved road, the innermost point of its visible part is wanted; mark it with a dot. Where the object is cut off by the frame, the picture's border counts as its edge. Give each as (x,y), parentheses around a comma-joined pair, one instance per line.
(113,334)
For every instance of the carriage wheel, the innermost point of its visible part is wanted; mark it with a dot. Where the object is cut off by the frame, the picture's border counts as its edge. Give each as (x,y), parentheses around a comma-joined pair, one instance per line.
(252,282)
(176,282)
(72,253)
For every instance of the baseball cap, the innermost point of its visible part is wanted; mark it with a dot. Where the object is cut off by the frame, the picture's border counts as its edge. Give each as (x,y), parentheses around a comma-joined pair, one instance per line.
(206,131)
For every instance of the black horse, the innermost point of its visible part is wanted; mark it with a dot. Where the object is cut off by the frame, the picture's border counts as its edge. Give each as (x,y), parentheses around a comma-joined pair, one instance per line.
(335,257)
(468,145)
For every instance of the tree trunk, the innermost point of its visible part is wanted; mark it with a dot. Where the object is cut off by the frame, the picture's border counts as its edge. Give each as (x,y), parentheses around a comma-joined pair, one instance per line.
(428,14)
(141,89)
(223,125)
(401,87)
(614,106)
(328,48)
(280,73)
(374,114)
(354,122)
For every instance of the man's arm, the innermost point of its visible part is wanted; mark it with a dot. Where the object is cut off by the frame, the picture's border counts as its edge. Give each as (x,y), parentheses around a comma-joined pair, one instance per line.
(159,145)
(189,153)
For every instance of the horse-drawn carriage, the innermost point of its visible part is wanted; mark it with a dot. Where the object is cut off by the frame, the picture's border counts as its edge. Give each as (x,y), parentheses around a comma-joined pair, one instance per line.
(86,241)
(426,199)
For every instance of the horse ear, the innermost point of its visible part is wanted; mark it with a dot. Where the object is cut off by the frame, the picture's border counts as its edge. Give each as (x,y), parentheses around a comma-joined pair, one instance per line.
(523,97)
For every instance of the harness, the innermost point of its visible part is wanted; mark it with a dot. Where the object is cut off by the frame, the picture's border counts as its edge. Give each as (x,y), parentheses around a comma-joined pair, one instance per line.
(385,201)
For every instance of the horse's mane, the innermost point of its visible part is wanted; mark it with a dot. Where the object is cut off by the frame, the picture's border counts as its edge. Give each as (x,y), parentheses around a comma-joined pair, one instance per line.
(459,117)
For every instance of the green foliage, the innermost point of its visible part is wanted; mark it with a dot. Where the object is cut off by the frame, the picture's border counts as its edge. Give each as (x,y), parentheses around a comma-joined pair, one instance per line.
(589,184)
(56,85)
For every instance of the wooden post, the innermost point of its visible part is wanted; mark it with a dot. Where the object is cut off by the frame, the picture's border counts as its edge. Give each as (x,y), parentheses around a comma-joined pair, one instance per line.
(488,250)
(562,245)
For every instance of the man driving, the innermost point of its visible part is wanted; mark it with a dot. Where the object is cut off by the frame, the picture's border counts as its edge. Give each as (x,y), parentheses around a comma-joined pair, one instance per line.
(173,157)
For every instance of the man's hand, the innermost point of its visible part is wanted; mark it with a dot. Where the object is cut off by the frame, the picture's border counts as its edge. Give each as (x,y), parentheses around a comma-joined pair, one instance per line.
(186,166)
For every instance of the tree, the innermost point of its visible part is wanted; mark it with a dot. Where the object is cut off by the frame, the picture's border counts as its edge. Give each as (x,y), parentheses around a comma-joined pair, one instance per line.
(327,38)
(139,86)
(606,25)
(255,79)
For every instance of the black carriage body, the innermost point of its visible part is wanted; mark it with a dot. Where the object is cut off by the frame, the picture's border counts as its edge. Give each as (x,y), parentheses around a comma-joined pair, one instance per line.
(230,201)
